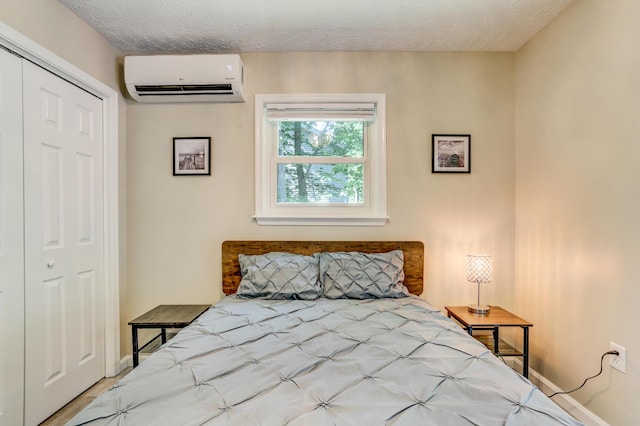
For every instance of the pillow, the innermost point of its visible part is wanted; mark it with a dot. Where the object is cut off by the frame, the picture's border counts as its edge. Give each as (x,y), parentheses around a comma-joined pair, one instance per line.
(279,275)
(357,275)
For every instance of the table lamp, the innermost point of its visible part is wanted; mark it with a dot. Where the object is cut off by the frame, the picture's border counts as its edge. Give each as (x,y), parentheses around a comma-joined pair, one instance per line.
(479,270)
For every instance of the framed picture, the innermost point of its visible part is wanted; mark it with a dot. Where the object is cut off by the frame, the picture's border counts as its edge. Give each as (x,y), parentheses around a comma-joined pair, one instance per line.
(192,156)
(451,153)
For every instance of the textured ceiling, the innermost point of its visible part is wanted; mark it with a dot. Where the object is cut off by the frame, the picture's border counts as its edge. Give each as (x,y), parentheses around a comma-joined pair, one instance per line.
(195,26)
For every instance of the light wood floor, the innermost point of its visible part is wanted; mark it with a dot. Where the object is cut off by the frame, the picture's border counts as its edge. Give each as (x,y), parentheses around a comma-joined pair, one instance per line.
(63,415)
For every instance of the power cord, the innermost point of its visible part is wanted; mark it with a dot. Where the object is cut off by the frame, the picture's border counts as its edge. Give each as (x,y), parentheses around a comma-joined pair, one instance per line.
(616,353)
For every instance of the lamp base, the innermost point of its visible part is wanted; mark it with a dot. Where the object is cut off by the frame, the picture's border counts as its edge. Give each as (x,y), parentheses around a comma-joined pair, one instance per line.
(478,309)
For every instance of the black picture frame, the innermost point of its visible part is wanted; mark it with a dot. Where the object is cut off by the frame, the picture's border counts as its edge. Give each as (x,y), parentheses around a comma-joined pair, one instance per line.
(450,153)
(192,156)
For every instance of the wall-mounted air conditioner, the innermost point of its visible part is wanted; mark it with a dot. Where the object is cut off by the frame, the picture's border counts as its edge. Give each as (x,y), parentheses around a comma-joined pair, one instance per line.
(184,78)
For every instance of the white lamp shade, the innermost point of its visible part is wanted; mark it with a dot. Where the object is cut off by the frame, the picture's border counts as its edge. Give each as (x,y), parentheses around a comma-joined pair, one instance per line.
(479,268)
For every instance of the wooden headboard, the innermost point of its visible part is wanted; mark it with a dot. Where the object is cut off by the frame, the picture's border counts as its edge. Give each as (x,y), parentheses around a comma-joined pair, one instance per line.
(413,256)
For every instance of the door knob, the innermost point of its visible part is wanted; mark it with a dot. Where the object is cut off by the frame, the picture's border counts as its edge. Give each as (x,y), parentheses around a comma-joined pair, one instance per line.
(51,264)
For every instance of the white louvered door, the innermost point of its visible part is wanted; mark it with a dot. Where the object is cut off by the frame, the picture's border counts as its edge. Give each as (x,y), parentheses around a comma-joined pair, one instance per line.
(11,242)
(64,289)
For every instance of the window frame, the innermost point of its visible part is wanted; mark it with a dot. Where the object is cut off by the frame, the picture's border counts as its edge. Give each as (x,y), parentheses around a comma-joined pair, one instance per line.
(373,212)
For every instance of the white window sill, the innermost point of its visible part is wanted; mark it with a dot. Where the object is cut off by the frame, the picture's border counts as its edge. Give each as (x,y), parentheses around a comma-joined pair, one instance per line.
(321,221)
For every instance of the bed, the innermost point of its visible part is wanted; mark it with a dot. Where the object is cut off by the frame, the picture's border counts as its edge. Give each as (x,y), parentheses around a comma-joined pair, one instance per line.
(364,350)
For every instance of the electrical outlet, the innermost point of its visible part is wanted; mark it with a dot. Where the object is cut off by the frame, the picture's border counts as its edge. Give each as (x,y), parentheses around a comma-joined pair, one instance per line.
(619,362)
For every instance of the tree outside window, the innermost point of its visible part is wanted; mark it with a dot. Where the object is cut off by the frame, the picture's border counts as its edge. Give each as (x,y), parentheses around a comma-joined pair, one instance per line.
(337,178)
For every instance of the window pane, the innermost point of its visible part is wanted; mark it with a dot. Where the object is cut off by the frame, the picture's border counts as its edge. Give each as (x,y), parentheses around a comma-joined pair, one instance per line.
(321,138)
(321,183)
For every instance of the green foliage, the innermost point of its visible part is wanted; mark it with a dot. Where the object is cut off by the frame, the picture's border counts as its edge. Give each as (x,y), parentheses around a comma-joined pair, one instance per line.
(329,182)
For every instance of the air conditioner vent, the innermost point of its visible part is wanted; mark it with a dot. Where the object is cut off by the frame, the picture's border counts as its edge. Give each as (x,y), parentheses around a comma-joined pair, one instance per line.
(213,88)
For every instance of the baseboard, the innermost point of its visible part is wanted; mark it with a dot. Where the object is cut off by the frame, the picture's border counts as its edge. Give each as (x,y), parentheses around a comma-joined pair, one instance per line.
(567,403)
(125,362)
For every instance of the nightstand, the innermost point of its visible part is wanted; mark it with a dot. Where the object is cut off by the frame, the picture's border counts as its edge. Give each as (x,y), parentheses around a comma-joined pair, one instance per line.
(163,317)
(496,318)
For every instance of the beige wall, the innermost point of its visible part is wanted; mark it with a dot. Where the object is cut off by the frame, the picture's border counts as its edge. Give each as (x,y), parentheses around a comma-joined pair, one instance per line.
(177,224)
(577,192)
(56,28)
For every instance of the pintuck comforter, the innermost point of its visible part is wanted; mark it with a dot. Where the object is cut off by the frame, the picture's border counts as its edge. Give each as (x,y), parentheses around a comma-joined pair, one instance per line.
(323,362)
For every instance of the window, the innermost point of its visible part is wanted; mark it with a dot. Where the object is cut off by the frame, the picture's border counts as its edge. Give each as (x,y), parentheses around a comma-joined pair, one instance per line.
(320,159)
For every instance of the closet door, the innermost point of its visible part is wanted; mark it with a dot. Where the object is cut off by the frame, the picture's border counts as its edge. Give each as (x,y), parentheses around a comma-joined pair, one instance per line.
(11,242)
(64,285)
